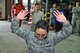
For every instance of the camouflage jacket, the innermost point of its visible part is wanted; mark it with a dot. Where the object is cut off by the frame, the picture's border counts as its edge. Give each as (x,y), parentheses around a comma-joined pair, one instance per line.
(46,45)
(76,12)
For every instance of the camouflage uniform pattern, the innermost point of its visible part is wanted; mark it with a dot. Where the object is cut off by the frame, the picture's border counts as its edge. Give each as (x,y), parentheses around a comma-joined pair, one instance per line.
(46,45)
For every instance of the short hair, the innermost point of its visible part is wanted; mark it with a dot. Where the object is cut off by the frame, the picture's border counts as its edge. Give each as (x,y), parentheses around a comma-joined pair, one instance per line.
(42,24)
(37,4)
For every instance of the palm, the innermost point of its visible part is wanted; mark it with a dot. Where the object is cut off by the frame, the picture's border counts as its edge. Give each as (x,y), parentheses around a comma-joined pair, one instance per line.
(59,16)
(22,14)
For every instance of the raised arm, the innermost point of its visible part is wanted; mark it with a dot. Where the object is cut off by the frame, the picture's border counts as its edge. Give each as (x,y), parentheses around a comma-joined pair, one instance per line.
(66,30)
(15,25)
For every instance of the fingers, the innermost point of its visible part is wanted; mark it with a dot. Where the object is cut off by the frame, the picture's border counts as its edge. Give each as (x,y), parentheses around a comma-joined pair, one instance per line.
(21,11)
(25,12)
(56,13)
(62,13)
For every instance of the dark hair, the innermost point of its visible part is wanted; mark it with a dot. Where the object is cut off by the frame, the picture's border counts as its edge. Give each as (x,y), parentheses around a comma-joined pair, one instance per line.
(42,24)
(37,3)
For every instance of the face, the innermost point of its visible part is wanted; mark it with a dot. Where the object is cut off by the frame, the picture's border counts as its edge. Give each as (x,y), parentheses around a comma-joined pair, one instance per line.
(37,7)
(40,33)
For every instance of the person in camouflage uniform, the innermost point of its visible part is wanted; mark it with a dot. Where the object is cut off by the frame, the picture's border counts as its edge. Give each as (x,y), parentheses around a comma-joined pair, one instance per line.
(41,40)
(76,18)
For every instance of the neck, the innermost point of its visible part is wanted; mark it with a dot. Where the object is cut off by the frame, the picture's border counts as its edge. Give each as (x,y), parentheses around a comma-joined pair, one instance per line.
(77,5)
(37,10)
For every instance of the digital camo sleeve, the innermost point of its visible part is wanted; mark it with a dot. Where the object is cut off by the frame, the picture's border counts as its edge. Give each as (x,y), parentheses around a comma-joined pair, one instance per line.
(75,9)
(17,30)
(64,33)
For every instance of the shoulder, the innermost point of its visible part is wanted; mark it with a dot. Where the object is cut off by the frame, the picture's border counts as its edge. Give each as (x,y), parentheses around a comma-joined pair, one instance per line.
(76,9)
(29,33)
(41,12)
(51,34)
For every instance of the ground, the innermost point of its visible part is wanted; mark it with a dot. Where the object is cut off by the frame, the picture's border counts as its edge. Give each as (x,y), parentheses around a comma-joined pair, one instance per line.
(11,43)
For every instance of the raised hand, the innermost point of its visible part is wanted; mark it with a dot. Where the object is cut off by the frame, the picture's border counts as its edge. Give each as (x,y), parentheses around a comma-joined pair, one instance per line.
(22,14)
(60,16)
